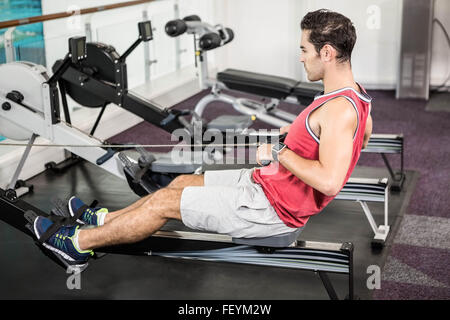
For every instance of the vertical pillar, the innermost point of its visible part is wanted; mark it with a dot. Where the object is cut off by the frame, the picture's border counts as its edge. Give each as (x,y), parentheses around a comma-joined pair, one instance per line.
(415,51)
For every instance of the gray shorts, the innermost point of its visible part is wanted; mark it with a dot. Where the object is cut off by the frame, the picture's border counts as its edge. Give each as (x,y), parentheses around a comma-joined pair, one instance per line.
(231,203)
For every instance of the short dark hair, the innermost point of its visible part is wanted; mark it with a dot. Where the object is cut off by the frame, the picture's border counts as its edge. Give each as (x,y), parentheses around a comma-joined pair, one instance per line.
(328,27)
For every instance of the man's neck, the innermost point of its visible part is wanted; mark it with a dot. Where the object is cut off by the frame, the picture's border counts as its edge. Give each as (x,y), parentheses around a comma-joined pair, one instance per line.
(339,77)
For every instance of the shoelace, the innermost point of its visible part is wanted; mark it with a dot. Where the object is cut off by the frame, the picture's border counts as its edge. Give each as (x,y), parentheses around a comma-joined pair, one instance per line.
(60,241)
(89,215)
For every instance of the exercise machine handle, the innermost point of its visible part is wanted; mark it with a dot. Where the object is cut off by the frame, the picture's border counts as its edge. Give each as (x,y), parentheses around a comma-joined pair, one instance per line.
(213,40)
(192,17)
(281,138)
(209,41)
(175,28)
(227,35)
(265,163)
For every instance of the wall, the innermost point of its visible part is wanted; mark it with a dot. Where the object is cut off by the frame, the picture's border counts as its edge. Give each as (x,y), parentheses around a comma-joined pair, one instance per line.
(269,34)
(119,29)
(440,54)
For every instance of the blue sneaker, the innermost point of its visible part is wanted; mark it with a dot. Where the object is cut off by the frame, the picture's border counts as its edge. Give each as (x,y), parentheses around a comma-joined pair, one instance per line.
(92,216)
(61,243)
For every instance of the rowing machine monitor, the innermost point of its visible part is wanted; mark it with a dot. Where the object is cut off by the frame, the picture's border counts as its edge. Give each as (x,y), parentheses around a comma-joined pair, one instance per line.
(145,31)
(145,34)
(77,49)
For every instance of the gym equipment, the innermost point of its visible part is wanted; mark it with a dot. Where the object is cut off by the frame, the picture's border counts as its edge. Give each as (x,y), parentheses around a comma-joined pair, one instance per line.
(30,108)
(282,251)
(363,191)
(207,37)
(389,144)
(101,79)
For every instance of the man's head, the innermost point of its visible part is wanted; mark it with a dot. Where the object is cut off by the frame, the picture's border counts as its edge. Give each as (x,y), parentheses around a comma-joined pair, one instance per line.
(328,39)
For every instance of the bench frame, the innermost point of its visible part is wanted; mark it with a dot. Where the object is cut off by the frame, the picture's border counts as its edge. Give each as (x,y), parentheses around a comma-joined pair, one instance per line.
(381,232)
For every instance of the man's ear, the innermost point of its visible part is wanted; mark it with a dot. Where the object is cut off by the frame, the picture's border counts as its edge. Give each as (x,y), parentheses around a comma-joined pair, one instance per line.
(327,53)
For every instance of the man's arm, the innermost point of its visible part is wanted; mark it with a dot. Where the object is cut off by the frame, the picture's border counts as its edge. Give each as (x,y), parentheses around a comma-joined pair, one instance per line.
(335,151)
(368,131)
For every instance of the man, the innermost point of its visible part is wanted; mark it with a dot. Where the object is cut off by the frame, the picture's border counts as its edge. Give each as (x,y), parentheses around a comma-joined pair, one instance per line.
(320,152)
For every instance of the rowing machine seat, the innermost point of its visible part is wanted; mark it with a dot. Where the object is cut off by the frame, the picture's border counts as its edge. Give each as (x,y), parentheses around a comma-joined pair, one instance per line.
(279,241)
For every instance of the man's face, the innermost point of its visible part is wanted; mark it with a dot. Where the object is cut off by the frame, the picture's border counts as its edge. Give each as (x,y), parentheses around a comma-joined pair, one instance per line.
(310,58)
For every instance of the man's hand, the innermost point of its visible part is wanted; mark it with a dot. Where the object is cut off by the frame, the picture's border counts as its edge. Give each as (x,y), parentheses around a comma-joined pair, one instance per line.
(285,129)
(264,153)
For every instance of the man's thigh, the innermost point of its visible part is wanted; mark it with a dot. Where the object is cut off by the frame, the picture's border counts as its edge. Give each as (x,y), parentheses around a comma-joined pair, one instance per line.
(231,178)
(240,211)
(187,180)
(228,178)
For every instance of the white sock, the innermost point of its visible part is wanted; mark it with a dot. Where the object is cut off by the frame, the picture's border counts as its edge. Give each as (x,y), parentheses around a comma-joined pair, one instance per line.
(75,241)
(101,215)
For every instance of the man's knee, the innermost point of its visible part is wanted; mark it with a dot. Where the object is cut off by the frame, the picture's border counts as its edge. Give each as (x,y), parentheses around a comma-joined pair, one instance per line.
(165,203)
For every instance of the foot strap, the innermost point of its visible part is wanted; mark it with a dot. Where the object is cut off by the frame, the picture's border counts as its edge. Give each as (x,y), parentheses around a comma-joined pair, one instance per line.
(80,212)
(58,222)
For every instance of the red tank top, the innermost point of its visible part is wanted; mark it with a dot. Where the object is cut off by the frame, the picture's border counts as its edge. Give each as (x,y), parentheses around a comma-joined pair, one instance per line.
(293,200)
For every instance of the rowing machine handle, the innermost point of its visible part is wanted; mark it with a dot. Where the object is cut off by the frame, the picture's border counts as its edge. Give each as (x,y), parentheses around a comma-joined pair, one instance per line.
(281,138)
(265,163)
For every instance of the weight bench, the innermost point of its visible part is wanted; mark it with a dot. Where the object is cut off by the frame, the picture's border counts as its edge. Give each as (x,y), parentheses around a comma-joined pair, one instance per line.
(269,86)
(272,87)
(389,144)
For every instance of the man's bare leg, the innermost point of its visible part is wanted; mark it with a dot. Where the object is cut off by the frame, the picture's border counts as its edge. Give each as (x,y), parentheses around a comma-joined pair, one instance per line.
(112,215)
(138,224)
(179,182)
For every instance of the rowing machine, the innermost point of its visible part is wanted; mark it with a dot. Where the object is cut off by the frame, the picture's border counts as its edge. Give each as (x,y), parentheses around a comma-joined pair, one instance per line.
(173,241)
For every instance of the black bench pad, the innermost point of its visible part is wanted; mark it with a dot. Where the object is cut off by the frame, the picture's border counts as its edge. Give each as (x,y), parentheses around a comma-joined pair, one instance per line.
(257,83)
(306,91)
